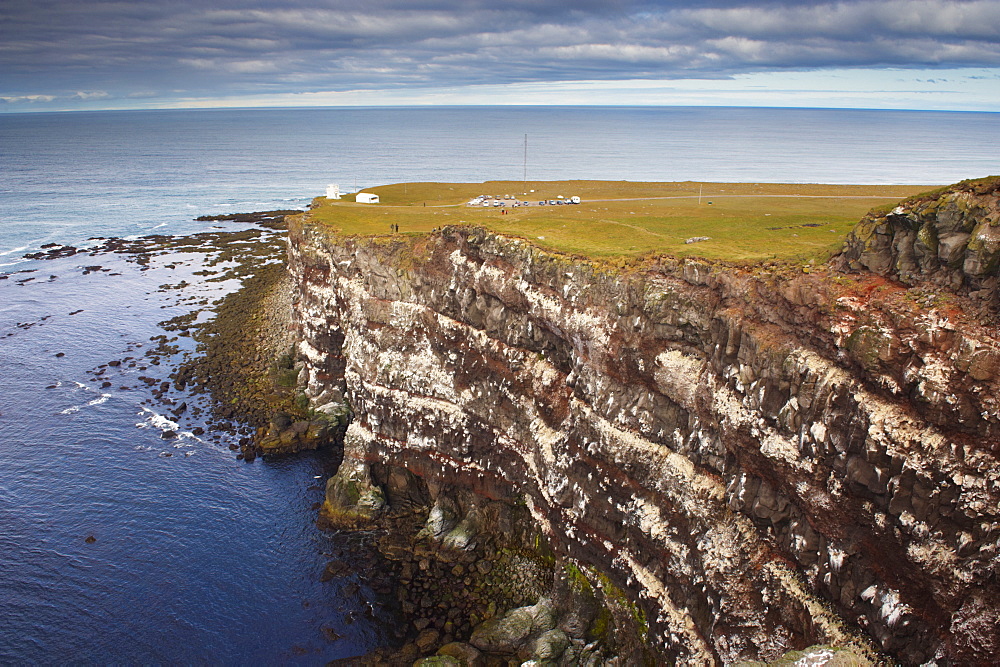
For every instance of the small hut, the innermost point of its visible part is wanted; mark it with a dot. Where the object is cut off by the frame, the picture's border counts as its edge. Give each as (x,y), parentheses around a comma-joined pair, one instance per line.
(366,198)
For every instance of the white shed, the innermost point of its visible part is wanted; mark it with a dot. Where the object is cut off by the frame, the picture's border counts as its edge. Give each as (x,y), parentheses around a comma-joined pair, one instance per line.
(366,198)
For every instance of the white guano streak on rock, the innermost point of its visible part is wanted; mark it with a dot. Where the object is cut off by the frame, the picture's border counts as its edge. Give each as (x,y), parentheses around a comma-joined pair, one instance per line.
(379,442)
(679,477)
(585,323)
(831,626)
(314,356)
(652,523)
(677,376)
(678,619)
(917,442)
(737,415)
(428,387)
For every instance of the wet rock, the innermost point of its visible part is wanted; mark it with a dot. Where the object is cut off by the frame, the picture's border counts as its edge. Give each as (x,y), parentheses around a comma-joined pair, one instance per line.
(427,639)
(466,654)
(549,645)
(438,661)
(352,500)
(334,569)
(295,436)
(504,634)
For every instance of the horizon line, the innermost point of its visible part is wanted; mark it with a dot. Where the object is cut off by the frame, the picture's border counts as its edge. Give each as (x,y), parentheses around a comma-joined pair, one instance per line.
(11,112)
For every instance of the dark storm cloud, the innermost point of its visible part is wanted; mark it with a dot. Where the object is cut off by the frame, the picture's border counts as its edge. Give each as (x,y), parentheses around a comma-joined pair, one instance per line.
(60,48)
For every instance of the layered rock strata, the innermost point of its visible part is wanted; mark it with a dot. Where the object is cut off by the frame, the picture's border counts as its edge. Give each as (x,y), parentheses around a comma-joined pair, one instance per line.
(763,460)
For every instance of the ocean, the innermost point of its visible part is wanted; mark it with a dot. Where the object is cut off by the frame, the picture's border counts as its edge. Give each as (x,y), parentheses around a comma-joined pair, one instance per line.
(118,545)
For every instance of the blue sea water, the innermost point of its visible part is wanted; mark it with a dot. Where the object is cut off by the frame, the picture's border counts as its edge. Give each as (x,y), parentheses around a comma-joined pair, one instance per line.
(198,557)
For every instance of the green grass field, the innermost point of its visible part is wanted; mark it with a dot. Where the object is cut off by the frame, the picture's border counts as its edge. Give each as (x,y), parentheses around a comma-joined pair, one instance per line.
(746,222)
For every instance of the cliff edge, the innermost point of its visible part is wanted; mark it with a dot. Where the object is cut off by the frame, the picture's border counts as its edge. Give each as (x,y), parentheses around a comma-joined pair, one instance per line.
(949,237)
(759,460)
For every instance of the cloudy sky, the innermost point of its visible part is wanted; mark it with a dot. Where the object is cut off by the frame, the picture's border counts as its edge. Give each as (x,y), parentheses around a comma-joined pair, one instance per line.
(89,54)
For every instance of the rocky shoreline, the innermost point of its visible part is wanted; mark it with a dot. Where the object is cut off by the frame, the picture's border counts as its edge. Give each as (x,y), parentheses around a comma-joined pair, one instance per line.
(243,361)
(482,593)
(476,584)
(494,593)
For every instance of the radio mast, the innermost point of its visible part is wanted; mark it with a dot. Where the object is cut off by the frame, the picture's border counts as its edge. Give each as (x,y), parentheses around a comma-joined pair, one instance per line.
(525,164)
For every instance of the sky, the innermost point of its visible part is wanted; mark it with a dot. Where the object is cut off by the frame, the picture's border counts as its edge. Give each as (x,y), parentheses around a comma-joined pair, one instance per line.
(60,55)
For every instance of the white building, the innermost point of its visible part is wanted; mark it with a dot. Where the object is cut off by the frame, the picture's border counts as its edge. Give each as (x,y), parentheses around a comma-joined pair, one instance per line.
(333,191)
(366,198)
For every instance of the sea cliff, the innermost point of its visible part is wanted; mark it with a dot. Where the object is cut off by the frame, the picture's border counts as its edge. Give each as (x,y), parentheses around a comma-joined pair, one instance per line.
(723,463)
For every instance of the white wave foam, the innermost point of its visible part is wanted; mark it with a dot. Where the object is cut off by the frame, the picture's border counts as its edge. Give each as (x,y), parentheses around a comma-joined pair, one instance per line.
(76,408)
(14,250)
(156,420)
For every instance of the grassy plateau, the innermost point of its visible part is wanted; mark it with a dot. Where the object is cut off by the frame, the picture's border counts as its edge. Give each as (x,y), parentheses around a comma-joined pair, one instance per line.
(745,222)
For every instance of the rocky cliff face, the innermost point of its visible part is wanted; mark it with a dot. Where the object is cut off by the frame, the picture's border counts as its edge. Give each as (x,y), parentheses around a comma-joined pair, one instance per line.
(949,238)
(763,460)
